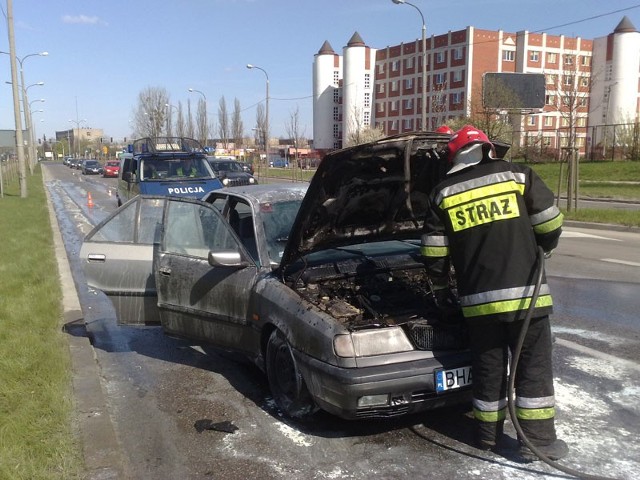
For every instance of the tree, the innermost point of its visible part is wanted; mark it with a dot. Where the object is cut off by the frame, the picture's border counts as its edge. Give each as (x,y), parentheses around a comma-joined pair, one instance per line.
(261,127)
(180,124)
(189,128)
(359,132)
(223,122)
(237,128)
(150,113)
(202,127)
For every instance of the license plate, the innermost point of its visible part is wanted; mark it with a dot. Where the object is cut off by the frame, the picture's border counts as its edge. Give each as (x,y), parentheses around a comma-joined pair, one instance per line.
(453,378)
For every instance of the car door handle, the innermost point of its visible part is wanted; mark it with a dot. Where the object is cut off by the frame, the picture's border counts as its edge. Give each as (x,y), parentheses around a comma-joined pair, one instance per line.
(165,270)
(96,257)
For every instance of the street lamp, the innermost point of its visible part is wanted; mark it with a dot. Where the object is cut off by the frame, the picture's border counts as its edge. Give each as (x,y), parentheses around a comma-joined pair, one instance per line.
(77,124)
(266,123)
(424,62)
(205,133)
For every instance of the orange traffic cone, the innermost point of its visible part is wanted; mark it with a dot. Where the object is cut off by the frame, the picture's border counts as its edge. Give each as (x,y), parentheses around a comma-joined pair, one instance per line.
(89,200)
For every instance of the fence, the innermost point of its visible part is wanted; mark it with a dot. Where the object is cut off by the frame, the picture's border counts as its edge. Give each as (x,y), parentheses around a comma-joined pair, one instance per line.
(9,169)
(619,141)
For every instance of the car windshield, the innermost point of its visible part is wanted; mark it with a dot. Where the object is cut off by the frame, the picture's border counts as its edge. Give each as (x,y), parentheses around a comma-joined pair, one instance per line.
(113,164)
(174,168)
(227,167)
(277,219)
(91,163)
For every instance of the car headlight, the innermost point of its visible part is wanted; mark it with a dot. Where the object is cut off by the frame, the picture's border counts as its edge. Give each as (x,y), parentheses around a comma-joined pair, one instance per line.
(252,180)
(372,342)
(225,181)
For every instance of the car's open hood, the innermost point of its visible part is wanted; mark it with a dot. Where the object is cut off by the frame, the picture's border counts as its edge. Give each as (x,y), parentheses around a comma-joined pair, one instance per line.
(371,192)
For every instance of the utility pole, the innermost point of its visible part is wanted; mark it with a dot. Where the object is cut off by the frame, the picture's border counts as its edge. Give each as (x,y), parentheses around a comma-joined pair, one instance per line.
(22,173)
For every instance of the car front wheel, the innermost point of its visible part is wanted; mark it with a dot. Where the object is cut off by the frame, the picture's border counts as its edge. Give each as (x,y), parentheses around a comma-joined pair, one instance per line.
(285,381)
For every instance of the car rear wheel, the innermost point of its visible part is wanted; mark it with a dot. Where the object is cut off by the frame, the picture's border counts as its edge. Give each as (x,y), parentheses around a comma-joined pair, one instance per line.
(285,381)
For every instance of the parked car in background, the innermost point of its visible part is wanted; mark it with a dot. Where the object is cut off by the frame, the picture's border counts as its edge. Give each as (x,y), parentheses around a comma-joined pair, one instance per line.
(111,168)
(321,286)
(91,167)
(278,162)
(76,163)
(231,172)
(67,160)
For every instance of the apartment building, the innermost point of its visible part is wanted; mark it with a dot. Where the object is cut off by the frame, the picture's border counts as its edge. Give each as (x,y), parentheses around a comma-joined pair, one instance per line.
(588,83)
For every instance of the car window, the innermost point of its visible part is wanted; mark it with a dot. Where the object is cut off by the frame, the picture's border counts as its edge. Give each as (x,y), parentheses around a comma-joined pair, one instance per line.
(193,229)
(120,228)
(149,227)
(129,226)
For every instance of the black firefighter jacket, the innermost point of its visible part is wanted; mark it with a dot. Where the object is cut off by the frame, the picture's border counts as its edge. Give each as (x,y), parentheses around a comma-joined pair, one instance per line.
(488,220)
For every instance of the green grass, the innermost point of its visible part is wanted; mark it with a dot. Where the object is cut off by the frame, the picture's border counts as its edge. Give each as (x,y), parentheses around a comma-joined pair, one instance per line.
(36,410)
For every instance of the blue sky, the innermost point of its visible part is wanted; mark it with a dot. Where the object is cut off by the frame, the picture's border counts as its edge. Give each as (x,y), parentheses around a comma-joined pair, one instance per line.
(102,53)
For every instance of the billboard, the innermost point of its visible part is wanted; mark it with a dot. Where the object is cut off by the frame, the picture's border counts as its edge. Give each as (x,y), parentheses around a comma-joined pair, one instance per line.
(513,91)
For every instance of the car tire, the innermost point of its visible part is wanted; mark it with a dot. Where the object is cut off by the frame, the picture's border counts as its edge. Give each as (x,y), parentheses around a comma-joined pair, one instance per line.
(285,381)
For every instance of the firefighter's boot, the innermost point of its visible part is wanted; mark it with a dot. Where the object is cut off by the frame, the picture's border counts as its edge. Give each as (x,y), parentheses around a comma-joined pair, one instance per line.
(554,451)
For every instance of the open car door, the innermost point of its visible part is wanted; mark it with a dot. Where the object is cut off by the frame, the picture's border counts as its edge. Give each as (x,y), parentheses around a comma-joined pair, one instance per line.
(117,258)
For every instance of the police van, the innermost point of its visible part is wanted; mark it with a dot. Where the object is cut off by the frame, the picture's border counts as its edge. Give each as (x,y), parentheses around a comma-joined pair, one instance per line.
(172,166)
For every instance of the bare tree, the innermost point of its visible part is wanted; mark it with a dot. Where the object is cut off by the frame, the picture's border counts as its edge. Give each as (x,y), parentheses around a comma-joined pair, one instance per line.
(202,128)
(189,127)
(261,127)
(150,112)
(237,127)
(180,125)
(223,122)
(360,133)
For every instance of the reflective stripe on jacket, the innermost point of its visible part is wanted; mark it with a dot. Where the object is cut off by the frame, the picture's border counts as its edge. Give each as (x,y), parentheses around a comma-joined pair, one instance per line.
(488,220)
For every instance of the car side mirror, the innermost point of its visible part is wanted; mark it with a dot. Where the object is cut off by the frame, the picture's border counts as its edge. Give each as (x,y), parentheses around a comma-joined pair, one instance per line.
(227,258)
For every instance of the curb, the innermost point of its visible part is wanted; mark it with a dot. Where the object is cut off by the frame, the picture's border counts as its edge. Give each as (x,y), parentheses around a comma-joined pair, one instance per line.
(92,422)
(601,226)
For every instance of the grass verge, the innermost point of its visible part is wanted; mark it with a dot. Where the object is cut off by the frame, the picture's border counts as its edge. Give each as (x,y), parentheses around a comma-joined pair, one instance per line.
(36,408)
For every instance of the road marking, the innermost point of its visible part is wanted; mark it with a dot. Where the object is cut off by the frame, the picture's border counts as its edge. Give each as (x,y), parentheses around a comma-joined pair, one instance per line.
(569,234)
(622,262)
(596,353)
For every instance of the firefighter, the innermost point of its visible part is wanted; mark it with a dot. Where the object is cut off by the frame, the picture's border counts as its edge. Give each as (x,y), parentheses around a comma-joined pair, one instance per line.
(486,219)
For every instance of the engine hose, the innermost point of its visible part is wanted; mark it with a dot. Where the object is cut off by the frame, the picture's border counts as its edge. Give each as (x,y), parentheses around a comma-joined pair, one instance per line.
(511,388)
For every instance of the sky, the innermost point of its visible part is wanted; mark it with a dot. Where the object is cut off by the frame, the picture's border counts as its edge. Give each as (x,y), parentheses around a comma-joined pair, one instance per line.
(103,53)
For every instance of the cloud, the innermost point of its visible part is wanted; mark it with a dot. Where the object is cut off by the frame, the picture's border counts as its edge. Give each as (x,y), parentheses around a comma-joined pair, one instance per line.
(82,19)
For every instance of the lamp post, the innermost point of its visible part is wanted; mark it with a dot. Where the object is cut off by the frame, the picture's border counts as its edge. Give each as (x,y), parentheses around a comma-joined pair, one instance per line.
(266,122)
(16,107)
(76,137)
(205,133)
(29,125)
(424,62)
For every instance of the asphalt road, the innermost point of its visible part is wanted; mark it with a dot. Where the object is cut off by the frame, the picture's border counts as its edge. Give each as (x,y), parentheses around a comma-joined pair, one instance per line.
(159,394)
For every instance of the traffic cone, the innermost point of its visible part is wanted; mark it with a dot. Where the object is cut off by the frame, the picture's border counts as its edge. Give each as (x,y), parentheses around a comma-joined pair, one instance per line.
(89,200)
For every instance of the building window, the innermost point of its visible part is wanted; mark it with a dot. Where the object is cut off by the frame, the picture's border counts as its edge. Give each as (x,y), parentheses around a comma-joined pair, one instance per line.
(394,125)
(394,106)
(551,78)
(584,81)
(336,95)
(585,60)
(439,57)
(457,76)
(567,79)
(395,65)
(381,88)
(579,142)
(564,122)
(457,53)
(438,78)
(408,83)
(548,121)
(336,113)
(407,124)
(367,81)
(367,100)
(552,57)
(456,98)
(581,122)
(546,141)
(408,103)
(380,68)
(367,119)
(336,78)
(408,62)
(336,130)
(534,55)
(380,107)
(508,55)
(583,101)
(569,59)
(532,121)
(549,99)
(394,86)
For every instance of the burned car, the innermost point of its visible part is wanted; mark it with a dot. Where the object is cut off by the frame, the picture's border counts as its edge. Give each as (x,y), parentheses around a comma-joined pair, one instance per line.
(321,286)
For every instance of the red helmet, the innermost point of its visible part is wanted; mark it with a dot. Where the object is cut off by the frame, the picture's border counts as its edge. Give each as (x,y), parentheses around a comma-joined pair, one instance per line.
(465,137)
(444,129)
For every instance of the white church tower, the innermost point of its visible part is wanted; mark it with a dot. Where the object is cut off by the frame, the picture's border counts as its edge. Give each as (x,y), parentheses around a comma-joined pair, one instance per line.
(327,111)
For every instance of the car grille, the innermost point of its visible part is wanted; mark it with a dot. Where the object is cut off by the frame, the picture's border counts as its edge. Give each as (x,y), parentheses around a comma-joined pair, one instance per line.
(235,182)
(427,336)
